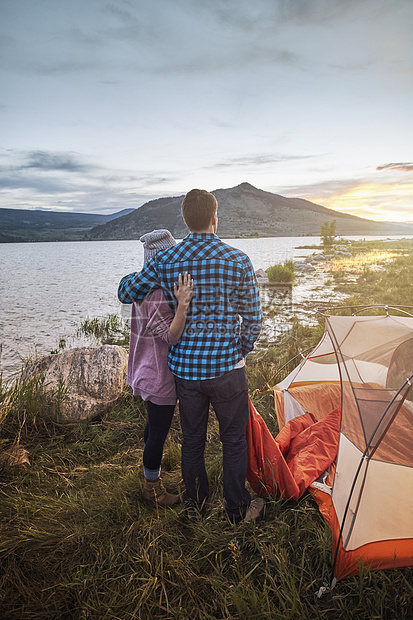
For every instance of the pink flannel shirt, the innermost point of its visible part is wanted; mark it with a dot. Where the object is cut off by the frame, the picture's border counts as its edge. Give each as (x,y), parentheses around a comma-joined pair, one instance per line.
(148,371)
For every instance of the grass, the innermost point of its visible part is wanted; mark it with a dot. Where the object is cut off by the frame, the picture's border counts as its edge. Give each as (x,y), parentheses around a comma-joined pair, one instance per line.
(105,330)
(78,542)
(376,273)
(282,273)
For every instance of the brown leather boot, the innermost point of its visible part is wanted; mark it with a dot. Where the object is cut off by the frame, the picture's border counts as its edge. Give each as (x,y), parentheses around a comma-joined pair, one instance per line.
(155,493)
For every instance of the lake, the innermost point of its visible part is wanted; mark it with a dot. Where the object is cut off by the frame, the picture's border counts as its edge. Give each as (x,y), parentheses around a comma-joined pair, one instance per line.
(48,289)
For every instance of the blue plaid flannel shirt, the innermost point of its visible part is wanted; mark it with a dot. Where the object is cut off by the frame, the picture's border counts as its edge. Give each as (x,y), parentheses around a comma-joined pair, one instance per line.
(224,318)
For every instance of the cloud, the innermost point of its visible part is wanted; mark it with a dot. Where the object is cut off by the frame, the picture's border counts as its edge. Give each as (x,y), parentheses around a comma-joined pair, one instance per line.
(189,37)
(43,160)
(402,166)
(13,181)
(43,172)
(323,190)
(184,36)
(160,37)
(39,173)
(244,14)
(58,180)
(258,160)
(317,11)
(125,14)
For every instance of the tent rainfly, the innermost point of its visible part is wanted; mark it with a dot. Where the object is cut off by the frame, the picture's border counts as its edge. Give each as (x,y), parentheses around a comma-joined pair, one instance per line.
(362,365)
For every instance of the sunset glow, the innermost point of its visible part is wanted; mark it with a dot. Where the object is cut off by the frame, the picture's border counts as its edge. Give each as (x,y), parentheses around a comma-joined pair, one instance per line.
(356,264)
(390,202)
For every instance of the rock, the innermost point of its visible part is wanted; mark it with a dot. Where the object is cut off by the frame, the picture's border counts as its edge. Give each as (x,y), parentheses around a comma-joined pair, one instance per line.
(318,257)
(304,267)
(314,258)
(93,377)
(260,273)
(262,277)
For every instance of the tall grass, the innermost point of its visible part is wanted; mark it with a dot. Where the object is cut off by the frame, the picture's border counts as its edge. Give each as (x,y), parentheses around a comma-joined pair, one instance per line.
(381,275)
(106,330)
(78,541)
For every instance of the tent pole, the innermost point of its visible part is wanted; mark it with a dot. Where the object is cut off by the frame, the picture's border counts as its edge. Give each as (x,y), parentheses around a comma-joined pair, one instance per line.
(363,458)
(363,308)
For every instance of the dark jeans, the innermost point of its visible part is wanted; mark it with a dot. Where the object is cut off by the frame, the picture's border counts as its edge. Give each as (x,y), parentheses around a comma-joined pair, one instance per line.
(156,430)
(228,395)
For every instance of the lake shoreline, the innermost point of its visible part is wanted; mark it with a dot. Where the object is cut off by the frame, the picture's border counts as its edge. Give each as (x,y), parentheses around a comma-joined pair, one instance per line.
(60,285)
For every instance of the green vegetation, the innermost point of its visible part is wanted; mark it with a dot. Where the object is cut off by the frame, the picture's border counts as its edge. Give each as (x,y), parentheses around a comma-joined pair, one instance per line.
(282,274)
(328,233)
(78,542)
(106,330)
(271,364)
(377,273)
(22,225)
(253,235)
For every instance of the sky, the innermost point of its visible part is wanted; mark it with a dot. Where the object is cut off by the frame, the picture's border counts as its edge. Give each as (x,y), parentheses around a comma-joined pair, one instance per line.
(106,104)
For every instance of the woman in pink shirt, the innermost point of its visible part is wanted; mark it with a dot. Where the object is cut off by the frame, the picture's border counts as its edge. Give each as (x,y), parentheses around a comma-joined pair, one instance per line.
(154,327)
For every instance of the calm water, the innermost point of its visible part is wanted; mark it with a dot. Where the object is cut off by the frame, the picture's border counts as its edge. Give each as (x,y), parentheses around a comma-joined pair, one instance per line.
(48,289)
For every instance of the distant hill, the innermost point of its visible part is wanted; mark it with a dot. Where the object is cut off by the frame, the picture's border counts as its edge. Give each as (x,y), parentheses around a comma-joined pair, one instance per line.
(244,210)
(31,225)
(114,216)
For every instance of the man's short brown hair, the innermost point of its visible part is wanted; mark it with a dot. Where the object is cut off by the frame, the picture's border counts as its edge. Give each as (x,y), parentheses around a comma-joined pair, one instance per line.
(198,207)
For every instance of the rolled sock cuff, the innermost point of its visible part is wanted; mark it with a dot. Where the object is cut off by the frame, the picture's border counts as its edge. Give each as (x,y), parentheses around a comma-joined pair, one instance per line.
(151,474)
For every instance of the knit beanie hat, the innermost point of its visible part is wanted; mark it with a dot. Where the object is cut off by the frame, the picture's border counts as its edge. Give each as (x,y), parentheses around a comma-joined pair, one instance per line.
(155,241)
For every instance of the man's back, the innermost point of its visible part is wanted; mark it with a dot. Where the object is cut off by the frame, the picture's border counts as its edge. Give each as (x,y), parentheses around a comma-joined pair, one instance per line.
(215,339)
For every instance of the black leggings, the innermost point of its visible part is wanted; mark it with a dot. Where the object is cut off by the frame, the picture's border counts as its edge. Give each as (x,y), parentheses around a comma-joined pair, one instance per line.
(156,430)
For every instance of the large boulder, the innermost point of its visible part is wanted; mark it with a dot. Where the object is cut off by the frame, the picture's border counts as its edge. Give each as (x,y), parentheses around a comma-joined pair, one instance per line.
(92,379)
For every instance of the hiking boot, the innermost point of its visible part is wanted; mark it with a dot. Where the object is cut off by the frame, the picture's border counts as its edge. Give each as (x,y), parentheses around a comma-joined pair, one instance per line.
(255,509)
(155,493)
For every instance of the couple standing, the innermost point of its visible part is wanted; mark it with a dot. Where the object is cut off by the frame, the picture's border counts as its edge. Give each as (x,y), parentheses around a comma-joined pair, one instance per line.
(215,322)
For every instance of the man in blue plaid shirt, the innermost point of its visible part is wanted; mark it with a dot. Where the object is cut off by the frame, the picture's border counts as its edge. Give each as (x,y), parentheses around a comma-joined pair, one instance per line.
(223,322)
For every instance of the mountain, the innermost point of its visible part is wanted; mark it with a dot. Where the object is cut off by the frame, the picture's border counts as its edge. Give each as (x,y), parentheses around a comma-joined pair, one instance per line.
(242,211)
(29,225)
(118,214)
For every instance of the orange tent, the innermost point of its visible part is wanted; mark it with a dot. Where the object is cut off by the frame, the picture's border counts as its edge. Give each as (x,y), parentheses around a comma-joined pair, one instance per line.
(363,368)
